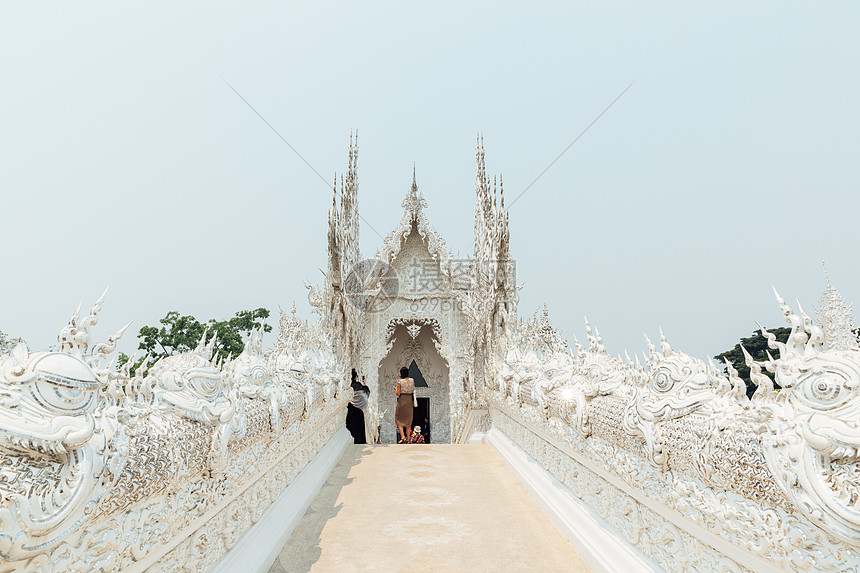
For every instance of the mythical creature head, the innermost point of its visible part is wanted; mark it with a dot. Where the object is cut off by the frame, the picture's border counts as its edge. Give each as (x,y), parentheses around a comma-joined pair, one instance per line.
(47,399)
(594,372)
(248,372)
(191,385)
(814,449)
(47,405)
(677,383)
(46,402)
(600,372)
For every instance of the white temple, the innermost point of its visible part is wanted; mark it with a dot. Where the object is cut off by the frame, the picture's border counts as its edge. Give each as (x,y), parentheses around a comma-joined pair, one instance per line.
(415,302)
(656,462)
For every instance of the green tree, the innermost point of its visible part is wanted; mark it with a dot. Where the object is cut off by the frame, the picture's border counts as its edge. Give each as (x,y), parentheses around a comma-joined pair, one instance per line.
(756,345)
(178,334)
(7,343)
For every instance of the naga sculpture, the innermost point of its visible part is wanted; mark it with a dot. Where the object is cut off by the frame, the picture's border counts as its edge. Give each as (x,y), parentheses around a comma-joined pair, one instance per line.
(776,475)
(101,469)
(49,437)
(813,448)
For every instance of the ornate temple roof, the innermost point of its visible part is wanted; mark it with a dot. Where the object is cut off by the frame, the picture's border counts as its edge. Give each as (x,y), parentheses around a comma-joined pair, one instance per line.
(413,216)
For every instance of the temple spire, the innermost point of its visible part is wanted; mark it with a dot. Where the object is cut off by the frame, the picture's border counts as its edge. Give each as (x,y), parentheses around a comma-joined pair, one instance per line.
(836,319)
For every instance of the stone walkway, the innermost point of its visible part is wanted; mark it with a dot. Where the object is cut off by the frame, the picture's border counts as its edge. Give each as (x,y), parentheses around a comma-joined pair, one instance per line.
(432,508)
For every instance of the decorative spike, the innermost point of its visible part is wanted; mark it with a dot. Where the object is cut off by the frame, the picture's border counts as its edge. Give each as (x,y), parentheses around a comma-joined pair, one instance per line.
(125,370)
(664,344)
(651,348)
(122,330)
(711,366)
(779,299)
(93,318)
(770,364)
(762,381)
(201,344)
(579,349)
(772,342)
(730,368)
(739,387)
(593,344)
(20,352)
(211,346)
(144,364)
(105,348)
(600,346)
(807,321)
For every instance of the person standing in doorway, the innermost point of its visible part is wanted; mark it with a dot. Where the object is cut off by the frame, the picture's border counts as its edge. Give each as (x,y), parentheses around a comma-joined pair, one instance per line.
(355,410)
(405,391)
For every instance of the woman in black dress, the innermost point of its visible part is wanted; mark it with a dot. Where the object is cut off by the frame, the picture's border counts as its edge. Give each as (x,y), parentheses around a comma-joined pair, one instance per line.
(355,410)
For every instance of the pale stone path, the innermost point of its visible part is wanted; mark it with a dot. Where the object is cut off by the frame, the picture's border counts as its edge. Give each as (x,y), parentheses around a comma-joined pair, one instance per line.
(425,508)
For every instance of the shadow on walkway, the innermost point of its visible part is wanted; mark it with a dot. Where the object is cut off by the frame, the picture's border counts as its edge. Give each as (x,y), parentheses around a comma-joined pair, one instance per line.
(303,549)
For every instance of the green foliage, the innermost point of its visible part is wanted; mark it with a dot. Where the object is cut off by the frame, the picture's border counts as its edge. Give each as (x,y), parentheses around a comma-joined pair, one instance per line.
(756,345)
(178,334)
(7,343)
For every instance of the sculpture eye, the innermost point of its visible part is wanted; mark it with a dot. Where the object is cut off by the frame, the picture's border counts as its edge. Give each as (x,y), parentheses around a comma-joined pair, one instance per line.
(826,390)
(64,385)
(662,381)
(62,399)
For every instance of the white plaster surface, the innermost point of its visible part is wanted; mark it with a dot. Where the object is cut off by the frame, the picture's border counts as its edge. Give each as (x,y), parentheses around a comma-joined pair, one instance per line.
(258,548)
(597,542)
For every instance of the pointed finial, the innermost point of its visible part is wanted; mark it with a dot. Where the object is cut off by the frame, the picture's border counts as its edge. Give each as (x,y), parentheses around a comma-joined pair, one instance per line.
(779,299)
(414,181)
(651,348)
(664,343)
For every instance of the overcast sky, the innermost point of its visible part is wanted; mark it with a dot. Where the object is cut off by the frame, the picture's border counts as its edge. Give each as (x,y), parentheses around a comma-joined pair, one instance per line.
(730,165)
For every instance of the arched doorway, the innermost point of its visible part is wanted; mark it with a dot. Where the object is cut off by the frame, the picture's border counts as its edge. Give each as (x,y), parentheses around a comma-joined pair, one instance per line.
(415,340)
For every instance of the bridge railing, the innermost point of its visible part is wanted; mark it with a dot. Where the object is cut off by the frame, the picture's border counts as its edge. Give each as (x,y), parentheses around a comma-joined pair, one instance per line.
(673,455)
(164,469)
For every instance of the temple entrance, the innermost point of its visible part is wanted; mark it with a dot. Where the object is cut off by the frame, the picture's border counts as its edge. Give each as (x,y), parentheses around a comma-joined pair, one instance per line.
(414,346)
(421,417)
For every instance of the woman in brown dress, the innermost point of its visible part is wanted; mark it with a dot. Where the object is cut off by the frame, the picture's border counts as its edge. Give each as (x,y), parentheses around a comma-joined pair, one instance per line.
(405,389)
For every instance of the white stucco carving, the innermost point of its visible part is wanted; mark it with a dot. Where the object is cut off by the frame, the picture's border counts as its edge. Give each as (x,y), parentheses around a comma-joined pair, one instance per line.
(165,469)
(771,478)
(101,470)
(415,281)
